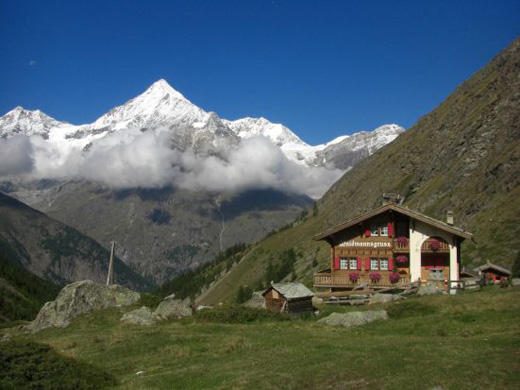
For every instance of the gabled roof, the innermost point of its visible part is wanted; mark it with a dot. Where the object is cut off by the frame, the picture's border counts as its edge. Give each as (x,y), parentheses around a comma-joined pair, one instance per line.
(293,290)
(495,267)
(399,209)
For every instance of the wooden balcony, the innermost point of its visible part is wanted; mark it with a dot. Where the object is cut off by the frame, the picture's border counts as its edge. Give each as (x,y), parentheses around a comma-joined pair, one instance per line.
(326,279)
(401,247)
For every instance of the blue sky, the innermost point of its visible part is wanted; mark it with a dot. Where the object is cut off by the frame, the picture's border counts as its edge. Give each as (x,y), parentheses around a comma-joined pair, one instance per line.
(322,68)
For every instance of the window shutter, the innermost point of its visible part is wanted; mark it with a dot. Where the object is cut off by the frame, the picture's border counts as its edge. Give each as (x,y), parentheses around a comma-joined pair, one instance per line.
(390,229)
(390,264)
(336,263)
(359,263)
(367,264)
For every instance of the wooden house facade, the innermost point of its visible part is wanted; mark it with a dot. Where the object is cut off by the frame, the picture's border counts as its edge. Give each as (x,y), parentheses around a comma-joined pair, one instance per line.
(392,246)
(292,298)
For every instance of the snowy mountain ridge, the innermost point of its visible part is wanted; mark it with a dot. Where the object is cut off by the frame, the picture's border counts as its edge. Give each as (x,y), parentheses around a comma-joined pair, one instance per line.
(162,107)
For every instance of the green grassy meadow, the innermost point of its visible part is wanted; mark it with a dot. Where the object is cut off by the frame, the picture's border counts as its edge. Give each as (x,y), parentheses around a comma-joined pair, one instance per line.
(467,341)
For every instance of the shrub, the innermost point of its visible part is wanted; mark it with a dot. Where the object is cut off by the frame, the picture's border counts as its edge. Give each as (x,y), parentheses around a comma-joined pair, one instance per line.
(353,276)
(374,277)
(234,314)
(244,293)
(394,277)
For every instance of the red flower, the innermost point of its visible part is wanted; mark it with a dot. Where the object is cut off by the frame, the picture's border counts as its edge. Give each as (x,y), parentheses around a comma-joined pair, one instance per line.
(353,276)
(402,240)
(394,277)
(374,276)
(435,245)
(401,259)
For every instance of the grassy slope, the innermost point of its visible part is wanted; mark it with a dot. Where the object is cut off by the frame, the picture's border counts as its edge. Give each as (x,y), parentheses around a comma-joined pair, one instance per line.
(463,156)
(464,342)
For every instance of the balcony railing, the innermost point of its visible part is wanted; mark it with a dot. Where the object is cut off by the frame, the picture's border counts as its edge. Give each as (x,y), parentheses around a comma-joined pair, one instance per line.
(341,280)
(401,246)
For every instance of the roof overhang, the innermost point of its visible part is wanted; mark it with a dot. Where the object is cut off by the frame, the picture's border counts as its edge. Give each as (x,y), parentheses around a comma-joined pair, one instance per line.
(398,209)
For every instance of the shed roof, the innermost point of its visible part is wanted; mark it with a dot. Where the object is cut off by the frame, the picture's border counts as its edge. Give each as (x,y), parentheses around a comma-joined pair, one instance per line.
(399,209)
(292,290)
(495,267)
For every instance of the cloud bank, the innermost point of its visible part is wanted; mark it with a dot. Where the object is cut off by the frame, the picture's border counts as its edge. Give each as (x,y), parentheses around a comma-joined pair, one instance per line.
(134,159)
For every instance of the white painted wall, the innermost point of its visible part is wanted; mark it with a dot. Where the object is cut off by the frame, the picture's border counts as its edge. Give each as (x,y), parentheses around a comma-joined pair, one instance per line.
(418,234)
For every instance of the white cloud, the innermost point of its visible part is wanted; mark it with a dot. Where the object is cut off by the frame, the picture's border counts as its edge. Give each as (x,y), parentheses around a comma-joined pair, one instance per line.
(133,159)
(15,155)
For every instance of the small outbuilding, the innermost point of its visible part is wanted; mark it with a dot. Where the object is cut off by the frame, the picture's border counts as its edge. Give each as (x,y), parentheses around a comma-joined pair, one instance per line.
(292,298)
(492,272)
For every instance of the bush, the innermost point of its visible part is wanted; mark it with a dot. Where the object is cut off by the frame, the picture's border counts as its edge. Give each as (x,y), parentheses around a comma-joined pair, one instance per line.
(149,300)
(244,294)
(234,314)
(30,365)
(410,308)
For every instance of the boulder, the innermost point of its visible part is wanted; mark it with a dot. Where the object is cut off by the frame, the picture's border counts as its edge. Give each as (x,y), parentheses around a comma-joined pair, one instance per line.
(356,318)
(428,289)
(383,298)
(515,282)
(257,301)
(141,316)
(78,298)
(173,308)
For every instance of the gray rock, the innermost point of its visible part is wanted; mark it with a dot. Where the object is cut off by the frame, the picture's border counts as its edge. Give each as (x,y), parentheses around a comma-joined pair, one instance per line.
(141,316)
(428,289)
(515,282)
(204,307)
(257,301)
(356,318)
(78,298)
(173,308)
(383,298)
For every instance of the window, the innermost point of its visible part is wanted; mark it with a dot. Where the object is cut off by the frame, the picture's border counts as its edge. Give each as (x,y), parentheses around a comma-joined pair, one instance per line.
(402,229)
(383,264)
(374,263)
(343,263)
(374,230)
(384,231)
(353,263)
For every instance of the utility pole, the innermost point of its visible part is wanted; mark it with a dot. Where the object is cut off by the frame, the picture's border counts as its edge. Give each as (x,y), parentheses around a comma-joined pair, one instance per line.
(110,276)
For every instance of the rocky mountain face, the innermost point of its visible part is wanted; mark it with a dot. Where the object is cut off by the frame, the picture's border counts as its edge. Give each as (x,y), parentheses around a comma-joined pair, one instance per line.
(162,224)
(462,156)
(53,250)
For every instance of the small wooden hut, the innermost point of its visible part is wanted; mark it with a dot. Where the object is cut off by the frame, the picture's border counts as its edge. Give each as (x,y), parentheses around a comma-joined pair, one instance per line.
(493,272)
(292,298)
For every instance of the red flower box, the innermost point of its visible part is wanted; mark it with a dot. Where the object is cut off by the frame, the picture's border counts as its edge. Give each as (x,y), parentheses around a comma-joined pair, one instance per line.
(402,259)
(374,277)
(394,277)
(353,276)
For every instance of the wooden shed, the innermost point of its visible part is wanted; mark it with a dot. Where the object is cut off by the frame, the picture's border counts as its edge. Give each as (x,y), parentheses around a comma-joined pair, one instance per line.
(492,272)
(293,298)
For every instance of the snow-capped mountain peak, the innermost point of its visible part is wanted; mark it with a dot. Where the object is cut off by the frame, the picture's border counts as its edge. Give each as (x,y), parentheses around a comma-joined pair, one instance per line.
(276,132)
(27,122)
(161,88)
(159,105)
